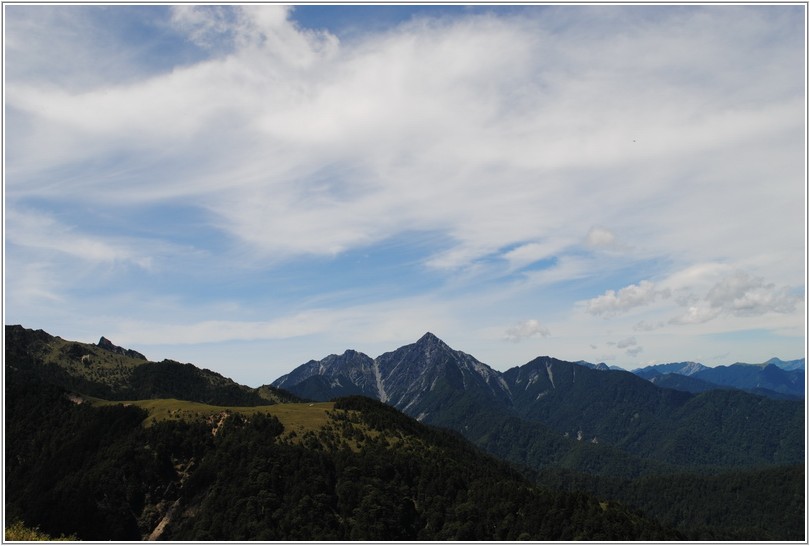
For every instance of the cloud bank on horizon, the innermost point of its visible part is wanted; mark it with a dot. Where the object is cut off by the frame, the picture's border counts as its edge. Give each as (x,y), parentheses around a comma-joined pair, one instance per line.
(249,187)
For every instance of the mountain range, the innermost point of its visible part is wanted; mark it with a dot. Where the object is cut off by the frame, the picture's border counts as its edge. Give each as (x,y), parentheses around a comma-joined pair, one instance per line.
(700,461)
(567,401)
(775,378)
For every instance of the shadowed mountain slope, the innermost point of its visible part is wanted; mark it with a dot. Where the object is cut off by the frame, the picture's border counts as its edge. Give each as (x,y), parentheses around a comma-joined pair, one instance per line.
(565,404)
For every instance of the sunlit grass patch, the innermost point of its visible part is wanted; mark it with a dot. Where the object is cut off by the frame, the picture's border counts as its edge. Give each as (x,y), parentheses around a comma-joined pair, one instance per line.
(302,417)
(299,417)
(319,422)
(18,531)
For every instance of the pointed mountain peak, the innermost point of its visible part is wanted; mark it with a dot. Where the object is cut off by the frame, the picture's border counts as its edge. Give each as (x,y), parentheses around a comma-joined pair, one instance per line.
(108,345)
(429,339)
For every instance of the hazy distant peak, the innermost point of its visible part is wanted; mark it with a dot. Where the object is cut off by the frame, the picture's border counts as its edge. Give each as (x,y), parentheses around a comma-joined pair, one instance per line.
(788,365)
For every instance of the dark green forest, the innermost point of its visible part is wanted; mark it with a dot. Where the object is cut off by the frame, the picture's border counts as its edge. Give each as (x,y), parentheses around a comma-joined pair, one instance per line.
(374,474)
(96,469)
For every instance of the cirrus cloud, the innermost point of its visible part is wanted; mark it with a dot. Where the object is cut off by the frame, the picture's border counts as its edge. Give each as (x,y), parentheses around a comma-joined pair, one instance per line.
(290,164)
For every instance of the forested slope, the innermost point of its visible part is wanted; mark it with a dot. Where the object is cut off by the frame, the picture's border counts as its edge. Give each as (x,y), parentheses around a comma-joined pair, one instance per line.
(370,474)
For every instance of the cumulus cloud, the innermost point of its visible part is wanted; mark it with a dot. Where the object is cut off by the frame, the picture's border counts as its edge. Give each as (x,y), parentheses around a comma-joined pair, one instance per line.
(744,295)
(739,295)
(612,302)
(524,330)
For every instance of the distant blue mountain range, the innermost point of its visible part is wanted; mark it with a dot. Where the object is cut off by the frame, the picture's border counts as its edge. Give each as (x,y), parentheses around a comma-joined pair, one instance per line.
(775,378)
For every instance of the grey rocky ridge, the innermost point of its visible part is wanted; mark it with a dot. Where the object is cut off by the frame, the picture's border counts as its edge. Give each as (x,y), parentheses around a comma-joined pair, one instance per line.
(407,378)
(108,345)
(547,399)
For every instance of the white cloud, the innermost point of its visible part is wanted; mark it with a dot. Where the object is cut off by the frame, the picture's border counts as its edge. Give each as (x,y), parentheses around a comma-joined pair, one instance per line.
(43,233)
(524,330)
(214,331)
(647,326)
(739,295)
(461,127)
(742,295)
(600,237)
(612,303)
(529,253)
(665,130)
(35,284)
(390,321)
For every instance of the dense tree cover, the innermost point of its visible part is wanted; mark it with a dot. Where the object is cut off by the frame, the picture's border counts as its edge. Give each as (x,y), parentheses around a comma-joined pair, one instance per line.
(96,473)
(405,482)
(75,469)
(718,427)
(564,414)
(676,433)
(534,445)
(743,504)
(730,427)
(169,379)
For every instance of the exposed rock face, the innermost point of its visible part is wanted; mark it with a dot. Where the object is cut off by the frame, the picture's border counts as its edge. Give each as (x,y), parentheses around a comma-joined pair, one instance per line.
(405,378)
(350,368)
(108,345)
(410,373)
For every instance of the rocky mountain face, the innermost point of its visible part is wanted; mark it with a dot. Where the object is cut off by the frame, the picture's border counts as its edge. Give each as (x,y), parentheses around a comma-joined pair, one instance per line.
(108,345)
(407,378)
(681,368)
(428,375)
(349,373)
(564,405)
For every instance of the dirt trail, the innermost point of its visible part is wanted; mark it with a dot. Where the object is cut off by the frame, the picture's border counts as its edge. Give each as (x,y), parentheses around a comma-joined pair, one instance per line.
(167,519)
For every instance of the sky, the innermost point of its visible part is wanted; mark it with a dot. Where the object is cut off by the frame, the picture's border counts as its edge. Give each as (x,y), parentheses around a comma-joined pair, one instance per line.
(250,187)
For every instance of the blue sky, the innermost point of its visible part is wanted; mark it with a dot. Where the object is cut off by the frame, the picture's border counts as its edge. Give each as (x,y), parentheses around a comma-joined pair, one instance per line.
(250,187)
